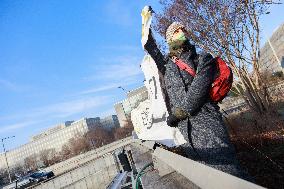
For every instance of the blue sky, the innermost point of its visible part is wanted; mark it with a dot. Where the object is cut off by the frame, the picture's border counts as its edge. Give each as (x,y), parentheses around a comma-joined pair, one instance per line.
(63,60)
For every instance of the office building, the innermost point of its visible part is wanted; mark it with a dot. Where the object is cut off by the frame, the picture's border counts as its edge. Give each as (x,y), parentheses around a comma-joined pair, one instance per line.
(110,122)
(272,53)
(53,138)
(123,108)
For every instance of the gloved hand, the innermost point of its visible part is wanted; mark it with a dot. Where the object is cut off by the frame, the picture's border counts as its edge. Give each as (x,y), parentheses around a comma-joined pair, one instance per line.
(181,114)
(177,116)
(172,120)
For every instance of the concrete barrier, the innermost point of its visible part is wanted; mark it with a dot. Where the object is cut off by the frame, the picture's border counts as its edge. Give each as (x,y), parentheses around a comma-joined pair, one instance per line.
(201,175)
(192,174)
(81,159)
(94,175)
(171,171)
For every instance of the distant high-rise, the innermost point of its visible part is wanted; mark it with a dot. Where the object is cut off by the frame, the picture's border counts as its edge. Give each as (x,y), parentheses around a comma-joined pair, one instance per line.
(53,138)
(110,122)
(133,99)
(272,53)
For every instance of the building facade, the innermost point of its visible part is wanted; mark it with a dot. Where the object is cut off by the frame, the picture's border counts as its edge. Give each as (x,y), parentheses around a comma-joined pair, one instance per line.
(123,108)
(272,53)
(53,138)
(110,122)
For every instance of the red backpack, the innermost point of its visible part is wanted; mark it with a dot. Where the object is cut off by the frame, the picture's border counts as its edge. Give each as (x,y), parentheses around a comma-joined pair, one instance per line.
(221,84)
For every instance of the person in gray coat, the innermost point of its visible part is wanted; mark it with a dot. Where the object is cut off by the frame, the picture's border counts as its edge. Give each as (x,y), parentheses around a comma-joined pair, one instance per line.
(189,104)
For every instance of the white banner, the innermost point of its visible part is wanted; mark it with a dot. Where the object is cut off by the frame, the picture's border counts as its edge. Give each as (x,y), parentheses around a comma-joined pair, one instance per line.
(149,118)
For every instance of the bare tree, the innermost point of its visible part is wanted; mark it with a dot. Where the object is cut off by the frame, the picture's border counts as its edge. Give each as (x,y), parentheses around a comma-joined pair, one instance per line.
(79,144)
(31,162)
(229,29)
(17,171)
(56,158)
(123,132)
(47,155)
(99,137)
(66,152)
(3,177)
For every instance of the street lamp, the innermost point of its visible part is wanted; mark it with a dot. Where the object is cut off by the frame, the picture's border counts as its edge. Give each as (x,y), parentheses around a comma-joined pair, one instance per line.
(120,87)
(5,154)
(128,117)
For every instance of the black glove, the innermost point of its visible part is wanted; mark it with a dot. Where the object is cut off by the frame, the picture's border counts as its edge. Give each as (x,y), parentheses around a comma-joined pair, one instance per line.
(181,114)
(172,120)
(177,116)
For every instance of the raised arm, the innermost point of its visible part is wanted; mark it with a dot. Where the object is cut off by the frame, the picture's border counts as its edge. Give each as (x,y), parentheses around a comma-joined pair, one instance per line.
(153,50)
(148,41)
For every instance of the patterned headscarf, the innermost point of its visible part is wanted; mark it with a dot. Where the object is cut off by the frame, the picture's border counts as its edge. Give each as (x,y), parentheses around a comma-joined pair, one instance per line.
(171,29)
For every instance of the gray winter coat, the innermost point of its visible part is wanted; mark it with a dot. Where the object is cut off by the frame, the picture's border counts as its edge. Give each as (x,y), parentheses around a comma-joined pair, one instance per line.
(206,127)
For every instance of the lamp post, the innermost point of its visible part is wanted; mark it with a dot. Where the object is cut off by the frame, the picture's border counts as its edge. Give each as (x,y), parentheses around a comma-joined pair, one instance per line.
(120,87)
(127,116)
(5,154)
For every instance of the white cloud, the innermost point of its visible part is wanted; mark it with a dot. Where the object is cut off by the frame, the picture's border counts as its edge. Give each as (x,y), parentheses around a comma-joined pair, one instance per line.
(99,89)
(15,126)
(9,85)
(51,112)
(109,86)
(121,71)
(116,69)
(114,72)
(108,112)
(68,108)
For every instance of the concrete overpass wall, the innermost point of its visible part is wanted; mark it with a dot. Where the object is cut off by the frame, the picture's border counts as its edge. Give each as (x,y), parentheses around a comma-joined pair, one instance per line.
(170,170)
(176,171)
(79,160)
(94,175)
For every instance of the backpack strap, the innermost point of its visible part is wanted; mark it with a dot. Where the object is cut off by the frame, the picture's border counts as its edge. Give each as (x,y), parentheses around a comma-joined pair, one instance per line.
(187,68)
(183,66)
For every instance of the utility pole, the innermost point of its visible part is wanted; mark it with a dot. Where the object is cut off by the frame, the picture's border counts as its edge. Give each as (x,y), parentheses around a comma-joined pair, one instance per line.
(128,117)
(120,87)
(5,154)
